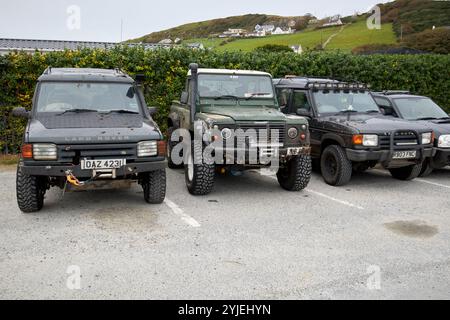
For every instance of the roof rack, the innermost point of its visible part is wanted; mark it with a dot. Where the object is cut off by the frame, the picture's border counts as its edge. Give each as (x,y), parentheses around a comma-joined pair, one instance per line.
(393,92)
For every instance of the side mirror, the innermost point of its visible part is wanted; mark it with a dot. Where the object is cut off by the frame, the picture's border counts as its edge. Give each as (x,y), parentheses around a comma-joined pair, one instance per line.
(152,111)
(21,112)
(139,78)
(184,97)
(303,112)
(387,111)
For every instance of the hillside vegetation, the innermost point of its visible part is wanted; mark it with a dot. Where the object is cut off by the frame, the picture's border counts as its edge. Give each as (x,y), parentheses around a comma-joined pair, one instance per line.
(353,35)
(205,29)
(413,16)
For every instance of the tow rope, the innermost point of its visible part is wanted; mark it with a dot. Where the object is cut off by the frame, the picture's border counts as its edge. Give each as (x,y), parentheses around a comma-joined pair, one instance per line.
(74,180)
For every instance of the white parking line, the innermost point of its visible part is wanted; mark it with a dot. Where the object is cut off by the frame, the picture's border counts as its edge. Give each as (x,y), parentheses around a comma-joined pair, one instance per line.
(432,183)
(418,180)
(179,212)
(343,202)
(346,203)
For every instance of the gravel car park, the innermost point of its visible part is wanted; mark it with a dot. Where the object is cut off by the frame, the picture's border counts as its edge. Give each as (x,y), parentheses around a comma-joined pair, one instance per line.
(376,238)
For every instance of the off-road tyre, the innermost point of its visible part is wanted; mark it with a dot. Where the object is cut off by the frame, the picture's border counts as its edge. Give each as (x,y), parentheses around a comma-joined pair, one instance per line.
(427,169)
(406,173)
(30,191)
(336,168)
(199,177)
(154,185)
(296,175)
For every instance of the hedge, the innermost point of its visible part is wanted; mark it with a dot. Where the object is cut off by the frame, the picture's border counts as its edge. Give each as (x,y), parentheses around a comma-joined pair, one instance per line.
(166,72)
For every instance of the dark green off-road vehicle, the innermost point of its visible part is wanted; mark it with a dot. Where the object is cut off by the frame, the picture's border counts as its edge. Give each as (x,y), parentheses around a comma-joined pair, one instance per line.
(89,128)
(229,121)
(349,133)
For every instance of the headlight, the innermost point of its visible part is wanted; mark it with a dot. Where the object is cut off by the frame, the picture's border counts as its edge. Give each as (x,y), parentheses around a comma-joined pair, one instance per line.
(45,151)
(226,133)
(370,140)
(444,141)
(366,140)
(427,138)
(147,149)
(293,133)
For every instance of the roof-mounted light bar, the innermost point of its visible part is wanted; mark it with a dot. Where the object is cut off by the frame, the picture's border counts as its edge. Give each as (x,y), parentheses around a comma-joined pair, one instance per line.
(338,86)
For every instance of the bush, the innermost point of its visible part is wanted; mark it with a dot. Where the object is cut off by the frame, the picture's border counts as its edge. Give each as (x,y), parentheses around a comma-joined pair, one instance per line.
(435,41)
(273,48)
(166,71)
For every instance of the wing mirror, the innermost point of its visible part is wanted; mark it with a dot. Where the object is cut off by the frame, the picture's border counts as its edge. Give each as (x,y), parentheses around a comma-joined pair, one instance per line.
(184,97)
(21,112)
(387,111)
(152,111)
(303,112)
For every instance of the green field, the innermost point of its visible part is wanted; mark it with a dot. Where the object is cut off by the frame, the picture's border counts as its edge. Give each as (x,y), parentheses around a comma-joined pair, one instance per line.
(353,35)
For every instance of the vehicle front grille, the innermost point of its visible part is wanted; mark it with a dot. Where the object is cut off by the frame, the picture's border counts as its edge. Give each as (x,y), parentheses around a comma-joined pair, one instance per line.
(266,128)
(402,140)
(75,153)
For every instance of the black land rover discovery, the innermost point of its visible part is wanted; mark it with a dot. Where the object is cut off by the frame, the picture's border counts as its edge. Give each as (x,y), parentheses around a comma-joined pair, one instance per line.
(349,133)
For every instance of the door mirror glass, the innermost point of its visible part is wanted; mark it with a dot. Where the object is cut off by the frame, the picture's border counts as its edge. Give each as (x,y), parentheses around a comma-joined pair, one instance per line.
(21,112)
(184,97)
(152,110)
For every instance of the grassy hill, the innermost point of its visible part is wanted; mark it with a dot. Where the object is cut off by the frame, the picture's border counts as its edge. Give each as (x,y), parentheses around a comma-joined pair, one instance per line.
(347,38)
(205,29)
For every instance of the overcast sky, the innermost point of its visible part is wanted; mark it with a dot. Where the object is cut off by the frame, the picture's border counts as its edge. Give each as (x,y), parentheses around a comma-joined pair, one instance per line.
(100,20)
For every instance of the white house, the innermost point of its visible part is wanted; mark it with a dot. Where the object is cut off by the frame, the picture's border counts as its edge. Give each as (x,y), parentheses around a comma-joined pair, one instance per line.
(268,28)
(297,49)
(334,21)
(279,31)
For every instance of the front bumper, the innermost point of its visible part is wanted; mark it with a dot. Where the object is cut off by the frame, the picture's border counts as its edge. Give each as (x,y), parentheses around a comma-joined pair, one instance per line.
(385,156)
(56,170)
(259,155)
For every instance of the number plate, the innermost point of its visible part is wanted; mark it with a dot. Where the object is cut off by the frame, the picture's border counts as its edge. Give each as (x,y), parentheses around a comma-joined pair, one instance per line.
(102,164)
(405,155)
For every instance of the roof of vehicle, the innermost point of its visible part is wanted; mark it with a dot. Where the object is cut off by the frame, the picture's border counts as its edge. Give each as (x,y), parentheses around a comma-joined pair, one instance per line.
(85,74)
(300,82)
(396,95)
(229,71)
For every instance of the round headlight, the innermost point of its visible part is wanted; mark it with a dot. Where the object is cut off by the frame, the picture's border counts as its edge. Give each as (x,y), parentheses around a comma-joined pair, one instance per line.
(226,133)
(293,133)
(444,141)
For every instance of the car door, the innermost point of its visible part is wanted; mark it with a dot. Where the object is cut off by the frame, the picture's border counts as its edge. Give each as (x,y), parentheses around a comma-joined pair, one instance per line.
(301,104)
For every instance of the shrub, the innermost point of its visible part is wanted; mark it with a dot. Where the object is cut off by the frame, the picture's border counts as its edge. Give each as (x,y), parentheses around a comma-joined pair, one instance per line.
(166,72)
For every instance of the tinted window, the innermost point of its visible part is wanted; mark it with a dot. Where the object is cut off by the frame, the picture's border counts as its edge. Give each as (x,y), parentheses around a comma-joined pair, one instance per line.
(101,97)
(417,108)
(334,102)
(241,86)
(300,101)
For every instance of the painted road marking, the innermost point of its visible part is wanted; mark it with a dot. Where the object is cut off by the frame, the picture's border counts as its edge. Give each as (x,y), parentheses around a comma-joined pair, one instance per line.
(432,183)
(179,212)
(419,180)
(343,202)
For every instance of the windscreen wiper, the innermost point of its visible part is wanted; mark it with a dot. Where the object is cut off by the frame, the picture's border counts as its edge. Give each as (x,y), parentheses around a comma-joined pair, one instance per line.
(226,97)
(123,111)
(347,111)
(78,111)
(373,111)
(428,118)
(258,94)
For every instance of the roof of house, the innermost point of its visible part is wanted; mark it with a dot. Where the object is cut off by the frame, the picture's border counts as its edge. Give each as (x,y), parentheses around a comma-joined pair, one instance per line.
(85,74)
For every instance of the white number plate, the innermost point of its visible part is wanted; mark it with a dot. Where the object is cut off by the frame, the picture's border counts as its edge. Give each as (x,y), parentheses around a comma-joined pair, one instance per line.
(405,155)
(102,164)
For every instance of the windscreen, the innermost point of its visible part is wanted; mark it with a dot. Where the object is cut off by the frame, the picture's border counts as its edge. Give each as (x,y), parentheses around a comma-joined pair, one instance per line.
(339,101)
(100,97)
(419,108)
(240,86)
